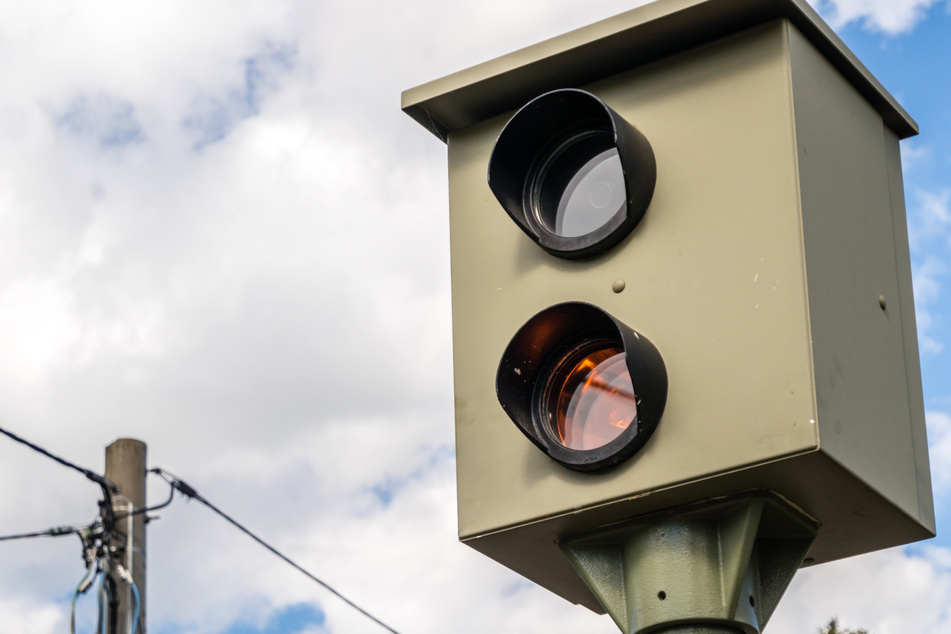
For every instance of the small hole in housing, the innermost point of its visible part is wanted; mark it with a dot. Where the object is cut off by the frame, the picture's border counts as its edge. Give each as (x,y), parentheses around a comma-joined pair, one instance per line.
(752,602)
(661,595)
(809,560)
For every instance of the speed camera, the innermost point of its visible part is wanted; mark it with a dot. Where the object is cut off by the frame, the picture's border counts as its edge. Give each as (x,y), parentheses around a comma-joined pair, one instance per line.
(680,273)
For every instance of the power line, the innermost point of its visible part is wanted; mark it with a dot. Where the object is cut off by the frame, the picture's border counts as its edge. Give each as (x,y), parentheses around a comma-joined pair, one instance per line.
(50,532)
(108,488)
(59,531)
(177,484)
(188,491)
(95,477)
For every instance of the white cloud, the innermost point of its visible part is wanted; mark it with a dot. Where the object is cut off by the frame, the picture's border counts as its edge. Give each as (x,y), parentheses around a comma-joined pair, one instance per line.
(913,154)
(889,592)
(939,447)
(929,235)
(26,616)
(934,216)
(892,17)
(35,328)
(927,279)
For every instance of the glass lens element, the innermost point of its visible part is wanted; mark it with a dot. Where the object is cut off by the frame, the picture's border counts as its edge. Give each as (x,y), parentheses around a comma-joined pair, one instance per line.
(591,398)
(592,197)
(580,187)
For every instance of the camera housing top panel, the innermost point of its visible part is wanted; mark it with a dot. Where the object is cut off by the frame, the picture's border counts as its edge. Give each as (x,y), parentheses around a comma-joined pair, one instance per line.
(771,271)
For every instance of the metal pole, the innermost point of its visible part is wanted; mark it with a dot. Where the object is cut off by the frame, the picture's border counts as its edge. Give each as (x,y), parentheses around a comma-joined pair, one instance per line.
(700,630)
(689,629)
(126,467)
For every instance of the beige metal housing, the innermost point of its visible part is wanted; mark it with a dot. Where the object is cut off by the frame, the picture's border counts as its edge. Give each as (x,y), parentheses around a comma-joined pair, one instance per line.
(771,271)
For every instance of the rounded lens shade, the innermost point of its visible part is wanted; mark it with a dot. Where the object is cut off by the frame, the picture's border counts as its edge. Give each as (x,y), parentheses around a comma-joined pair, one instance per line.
(584,388)
(591,398)
(581,188)
(573,174)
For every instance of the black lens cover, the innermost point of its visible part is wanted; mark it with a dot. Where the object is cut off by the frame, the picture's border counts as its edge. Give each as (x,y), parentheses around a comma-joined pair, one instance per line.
(572,173)
(539,347)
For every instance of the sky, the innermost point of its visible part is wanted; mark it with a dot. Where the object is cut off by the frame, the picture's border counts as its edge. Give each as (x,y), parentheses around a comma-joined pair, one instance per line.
(220,235)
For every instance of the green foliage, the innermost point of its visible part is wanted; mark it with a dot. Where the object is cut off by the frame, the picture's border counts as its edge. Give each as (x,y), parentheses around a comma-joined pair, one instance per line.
(833,628)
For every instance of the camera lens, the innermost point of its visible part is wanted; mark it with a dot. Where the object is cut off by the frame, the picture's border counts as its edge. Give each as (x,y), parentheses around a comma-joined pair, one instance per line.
(580,188)
(590,396)
(572,173)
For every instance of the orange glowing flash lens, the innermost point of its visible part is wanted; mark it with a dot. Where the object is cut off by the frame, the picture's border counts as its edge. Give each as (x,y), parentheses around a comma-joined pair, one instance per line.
(591,397)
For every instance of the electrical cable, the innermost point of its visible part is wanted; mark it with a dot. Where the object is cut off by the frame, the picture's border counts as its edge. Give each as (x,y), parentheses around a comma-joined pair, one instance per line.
(135,618)
(111,600)
(126,576)
(188,491)
(95,477)
(106,511)
(50,532)
(108,488)
(171,494)
(80,589)
(102,608)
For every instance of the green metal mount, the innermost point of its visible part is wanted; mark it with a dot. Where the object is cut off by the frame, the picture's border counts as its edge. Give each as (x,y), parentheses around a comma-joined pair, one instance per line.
(718,567)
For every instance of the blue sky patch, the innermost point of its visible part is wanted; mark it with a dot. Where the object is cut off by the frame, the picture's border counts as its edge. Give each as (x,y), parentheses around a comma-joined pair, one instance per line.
(290,620)
(110,122)
(391,486)
(214,116)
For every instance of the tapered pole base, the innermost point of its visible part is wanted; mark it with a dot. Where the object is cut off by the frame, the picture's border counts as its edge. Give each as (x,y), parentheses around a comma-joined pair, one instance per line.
(713,568)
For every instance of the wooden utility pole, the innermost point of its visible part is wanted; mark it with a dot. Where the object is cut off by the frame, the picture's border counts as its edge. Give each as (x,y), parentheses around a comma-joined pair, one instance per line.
(126,467)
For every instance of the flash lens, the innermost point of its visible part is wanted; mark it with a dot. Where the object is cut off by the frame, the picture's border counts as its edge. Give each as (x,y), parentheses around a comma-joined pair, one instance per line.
(591,398)
(585,388)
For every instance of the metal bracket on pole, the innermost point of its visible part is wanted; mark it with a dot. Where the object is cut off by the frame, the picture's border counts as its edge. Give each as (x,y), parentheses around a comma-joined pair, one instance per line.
(718,567)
